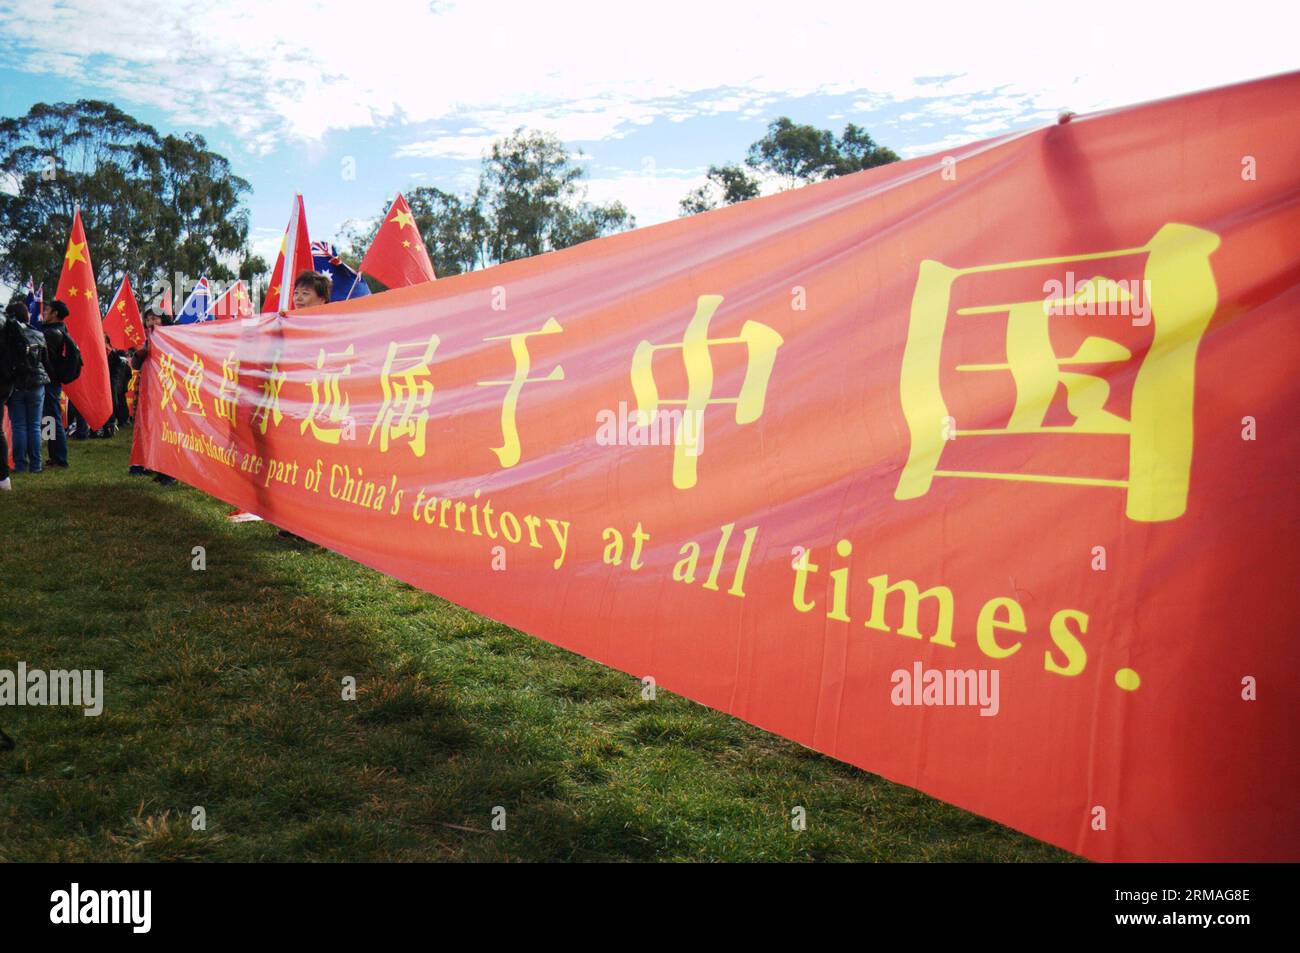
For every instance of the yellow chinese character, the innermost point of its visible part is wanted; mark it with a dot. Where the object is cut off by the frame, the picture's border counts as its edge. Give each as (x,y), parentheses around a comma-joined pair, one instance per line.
(194,387)
(509,452)
(406,397)
(327,399)
(167,377)
(267,409)
(761,344)
(226,403)
(1182,299)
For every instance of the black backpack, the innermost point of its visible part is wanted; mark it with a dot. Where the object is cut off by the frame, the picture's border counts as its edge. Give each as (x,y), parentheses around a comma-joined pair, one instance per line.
(64,362)
(22,353)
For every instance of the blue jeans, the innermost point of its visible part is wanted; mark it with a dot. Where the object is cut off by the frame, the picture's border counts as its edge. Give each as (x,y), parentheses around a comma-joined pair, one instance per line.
(25,417)
(59,445)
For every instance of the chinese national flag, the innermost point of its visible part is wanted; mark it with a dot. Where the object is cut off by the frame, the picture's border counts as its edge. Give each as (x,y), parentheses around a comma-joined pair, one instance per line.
(89,392)
(122,323)
(296,250)
(397,257)
(233,303)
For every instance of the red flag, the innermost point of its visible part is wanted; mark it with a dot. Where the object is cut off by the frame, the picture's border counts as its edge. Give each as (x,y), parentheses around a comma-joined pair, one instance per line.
(90,391)
(232,303)
(9,435)
(122,323)
(296,248)
(397,256)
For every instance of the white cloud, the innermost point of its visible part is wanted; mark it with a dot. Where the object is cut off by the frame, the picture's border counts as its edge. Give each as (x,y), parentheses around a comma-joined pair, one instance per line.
(580,121)
(460,75)
(649,195)
(591,71)
(265,242)
(446,147)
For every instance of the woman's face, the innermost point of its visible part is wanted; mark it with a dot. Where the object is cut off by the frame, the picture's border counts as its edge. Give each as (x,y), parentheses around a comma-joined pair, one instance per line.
(304,296)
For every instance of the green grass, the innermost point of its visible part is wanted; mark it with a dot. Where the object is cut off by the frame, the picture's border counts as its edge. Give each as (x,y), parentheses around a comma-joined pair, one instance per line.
(223,690)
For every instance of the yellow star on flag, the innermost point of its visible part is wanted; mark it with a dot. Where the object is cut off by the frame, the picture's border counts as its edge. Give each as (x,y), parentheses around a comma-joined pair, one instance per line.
(121,306)
(72,292)
(406,244)
(74,253)
(403,219)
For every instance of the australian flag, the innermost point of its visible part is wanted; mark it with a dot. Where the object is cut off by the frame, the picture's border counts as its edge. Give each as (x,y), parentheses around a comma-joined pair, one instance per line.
(325,260)
(35,297)
(197,304)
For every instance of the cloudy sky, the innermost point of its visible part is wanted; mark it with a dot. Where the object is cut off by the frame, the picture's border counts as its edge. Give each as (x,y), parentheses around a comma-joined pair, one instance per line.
(410,92)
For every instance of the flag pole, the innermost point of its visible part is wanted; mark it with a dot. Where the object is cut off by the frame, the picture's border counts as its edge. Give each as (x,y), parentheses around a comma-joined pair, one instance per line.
(290,252)
(372,241)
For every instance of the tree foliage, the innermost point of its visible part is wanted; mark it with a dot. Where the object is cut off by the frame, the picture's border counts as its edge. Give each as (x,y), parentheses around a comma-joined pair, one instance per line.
(530,199)
(799,154)
(533,201)
(726,185)
(858,151)
(152,205)
(792,154)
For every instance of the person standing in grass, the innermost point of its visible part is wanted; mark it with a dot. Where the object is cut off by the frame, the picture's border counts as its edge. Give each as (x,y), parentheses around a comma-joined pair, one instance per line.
(119,375)
(6,388)
(53,314)
(309,290)
(5,483)
(25,403)
(153,319)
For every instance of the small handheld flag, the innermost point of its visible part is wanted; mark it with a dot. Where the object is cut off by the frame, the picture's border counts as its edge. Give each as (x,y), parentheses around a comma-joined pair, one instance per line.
(122,323)
(231,303)
(196,305)
(326,261)
(35,300)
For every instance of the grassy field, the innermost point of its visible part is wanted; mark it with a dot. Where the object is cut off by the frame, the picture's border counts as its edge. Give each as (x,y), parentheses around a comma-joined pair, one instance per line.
(223,691)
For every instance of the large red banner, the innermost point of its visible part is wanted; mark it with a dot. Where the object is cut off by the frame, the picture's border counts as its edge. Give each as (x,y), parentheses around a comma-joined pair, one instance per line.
(976,470)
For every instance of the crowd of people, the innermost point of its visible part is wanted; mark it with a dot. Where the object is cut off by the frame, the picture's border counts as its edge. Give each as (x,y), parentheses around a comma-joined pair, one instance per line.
(36,363)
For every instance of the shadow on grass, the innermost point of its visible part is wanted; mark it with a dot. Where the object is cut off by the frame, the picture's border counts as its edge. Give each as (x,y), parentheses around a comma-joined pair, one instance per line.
(224,689)
(225,703)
